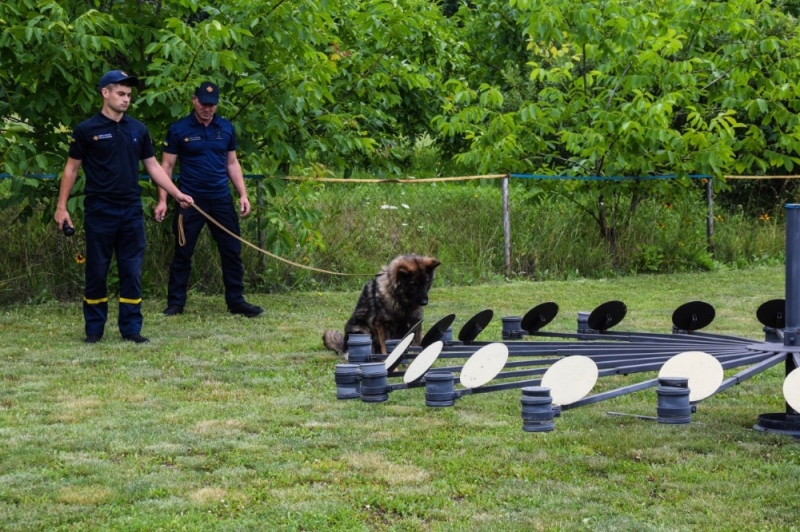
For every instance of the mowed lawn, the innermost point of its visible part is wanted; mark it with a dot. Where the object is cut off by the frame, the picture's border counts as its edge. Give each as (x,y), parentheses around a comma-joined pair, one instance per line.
(228,423)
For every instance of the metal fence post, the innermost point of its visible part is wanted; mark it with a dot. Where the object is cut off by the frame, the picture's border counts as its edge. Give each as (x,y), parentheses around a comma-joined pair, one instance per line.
(506,227)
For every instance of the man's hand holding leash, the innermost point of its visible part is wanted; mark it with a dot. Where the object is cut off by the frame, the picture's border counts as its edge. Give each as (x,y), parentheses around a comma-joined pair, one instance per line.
(244,206)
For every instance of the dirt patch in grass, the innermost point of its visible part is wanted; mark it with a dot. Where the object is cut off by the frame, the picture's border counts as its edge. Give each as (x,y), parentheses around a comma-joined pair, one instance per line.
(209,495)
(219,426)
(84,495)
(393,474)
(76,409)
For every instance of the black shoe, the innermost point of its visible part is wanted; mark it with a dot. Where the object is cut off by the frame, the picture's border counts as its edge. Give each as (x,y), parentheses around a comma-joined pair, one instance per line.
(246,309)
(173,310)
(136,338)
(92,339)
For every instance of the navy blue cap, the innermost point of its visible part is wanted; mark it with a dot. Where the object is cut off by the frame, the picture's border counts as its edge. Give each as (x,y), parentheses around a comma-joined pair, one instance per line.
(207,93)
(118,76)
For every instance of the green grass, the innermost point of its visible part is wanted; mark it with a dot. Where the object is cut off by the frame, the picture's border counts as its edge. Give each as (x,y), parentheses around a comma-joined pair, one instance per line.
(225,423)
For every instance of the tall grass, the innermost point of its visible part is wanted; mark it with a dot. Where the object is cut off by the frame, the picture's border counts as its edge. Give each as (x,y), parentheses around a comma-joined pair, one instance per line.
(462,225)
(365,225)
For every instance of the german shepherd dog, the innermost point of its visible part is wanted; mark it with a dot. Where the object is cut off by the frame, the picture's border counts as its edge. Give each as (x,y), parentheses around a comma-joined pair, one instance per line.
(389,305)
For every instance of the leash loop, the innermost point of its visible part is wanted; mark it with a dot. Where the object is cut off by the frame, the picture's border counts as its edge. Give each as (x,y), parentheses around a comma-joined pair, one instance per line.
(181,234)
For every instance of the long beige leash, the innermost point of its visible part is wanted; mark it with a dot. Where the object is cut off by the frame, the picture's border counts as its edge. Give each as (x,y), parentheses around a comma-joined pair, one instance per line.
(182,242)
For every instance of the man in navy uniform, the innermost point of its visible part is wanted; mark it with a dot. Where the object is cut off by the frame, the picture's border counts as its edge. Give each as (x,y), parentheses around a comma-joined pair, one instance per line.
(110,145)
(206,146)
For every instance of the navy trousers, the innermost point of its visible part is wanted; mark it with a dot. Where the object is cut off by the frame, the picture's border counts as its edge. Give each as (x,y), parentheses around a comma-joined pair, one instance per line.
(113,229)
(230,249)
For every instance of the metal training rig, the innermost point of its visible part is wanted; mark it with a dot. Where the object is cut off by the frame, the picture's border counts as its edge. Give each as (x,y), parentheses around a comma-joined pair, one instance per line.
(526,356)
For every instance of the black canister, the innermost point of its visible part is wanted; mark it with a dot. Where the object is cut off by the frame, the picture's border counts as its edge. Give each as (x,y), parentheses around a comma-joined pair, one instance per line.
(673,401)
(537,409)
(348,381)
(359,348)
(447,337)
(374,386)
(440,389)
(512,328)
(677,382)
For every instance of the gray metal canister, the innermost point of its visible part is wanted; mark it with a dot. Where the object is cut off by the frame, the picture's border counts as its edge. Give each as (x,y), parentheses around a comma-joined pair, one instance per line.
(374,386)
(440,389)
(537,409)
(359,348)
(348,381)
(673,401)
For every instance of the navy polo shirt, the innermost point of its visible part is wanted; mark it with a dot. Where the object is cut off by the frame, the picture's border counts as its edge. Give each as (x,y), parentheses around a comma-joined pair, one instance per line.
(110,153)
(203,155)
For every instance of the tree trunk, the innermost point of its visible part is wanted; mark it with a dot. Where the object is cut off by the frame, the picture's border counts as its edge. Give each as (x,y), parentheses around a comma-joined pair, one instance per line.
(607,232)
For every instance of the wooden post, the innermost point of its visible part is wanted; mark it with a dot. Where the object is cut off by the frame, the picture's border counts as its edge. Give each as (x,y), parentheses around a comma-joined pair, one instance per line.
(506,228)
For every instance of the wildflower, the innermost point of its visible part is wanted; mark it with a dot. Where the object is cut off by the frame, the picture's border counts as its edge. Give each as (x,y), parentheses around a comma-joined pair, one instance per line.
(80,259)
(764,217)
(719,218)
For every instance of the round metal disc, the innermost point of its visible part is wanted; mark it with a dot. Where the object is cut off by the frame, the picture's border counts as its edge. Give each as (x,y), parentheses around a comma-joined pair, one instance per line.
(570,379)
(607,315)
(703,371)
(396,356)
(539,316)
(693,316)
(484,365)
(791,389)
(436,332)
(475,325)
(772,313)
(423,362)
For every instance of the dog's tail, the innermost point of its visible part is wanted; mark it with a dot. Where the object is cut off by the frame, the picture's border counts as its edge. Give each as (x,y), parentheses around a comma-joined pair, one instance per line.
(334,340)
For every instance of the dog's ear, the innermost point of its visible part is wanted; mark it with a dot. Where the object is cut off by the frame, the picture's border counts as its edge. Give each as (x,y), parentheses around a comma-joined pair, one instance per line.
(433,263)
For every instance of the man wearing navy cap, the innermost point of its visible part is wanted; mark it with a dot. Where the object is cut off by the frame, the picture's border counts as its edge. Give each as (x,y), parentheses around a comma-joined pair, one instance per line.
(110,145)
(206,146)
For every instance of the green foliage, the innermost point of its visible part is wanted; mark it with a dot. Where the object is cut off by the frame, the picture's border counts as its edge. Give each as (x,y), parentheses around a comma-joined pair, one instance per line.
(628,89)
(324,87)
(308,82)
